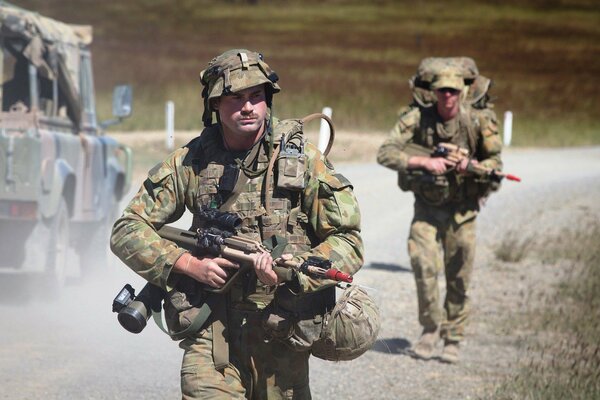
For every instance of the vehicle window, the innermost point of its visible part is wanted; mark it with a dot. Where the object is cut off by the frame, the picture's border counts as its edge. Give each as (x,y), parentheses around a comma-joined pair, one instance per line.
(15,81)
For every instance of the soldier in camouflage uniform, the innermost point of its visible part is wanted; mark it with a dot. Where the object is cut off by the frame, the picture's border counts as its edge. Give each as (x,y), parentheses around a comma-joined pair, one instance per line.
(442,233)
(318,216)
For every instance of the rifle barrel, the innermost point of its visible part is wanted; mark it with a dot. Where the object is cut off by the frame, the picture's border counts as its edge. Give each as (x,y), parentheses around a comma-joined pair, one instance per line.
(183,238)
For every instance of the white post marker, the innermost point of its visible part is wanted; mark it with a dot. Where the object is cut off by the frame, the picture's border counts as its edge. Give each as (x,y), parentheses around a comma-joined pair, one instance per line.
(170,125)
(324,132)
(508,120)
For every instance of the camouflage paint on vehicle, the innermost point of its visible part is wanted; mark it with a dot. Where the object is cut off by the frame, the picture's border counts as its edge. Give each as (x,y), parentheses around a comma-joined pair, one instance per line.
(54,156)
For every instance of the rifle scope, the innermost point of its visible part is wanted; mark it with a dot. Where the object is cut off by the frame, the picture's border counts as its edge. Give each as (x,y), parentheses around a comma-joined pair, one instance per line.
(224,220)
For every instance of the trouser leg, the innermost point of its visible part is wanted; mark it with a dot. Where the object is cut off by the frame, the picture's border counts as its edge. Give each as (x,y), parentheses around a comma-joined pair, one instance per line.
(258,370)
(200,379)
(426,261)
(278,371)
(459,247)
(282,373)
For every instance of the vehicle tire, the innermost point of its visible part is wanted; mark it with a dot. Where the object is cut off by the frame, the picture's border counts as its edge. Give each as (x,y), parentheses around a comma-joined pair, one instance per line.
(57,250)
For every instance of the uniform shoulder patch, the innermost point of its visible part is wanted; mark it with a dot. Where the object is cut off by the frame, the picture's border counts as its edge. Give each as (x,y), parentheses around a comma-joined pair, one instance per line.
(286,126)
(410,117)
(159,172)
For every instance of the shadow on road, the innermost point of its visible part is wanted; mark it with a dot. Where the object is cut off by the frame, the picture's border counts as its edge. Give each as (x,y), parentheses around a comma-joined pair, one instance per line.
(388,267)
(392,346)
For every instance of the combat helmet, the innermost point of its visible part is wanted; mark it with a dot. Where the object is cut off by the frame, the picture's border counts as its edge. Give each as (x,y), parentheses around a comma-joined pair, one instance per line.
(350,329)
(232,71)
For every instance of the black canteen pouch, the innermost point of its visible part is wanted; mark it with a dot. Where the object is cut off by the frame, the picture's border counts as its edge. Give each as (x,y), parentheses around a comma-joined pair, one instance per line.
(186,309)
(297,319)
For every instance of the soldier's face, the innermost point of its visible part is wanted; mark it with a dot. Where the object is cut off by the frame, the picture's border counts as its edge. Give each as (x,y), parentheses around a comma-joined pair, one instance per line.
(243,112)
(447,101)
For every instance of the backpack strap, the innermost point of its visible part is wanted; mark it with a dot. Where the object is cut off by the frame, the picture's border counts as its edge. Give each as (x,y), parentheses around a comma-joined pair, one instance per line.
(466,119)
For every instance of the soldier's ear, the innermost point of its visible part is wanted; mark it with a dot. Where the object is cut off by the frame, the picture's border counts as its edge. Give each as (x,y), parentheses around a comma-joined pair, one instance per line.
(214,104)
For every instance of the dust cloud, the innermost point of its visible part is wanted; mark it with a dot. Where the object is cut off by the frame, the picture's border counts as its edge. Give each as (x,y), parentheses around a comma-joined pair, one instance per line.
(63,340)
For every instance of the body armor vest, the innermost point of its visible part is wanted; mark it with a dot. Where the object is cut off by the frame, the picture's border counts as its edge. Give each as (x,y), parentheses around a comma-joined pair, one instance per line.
(462,131)
(214,167)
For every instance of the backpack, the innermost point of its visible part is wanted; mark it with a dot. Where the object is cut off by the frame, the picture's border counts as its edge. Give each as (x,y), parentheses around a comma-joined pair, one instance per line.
(478,85)
(477,97)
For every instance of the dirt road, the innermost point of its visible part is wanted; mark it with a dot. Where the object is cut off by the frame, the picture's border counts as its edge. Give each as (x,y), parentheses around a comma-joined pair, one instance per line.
(74,348)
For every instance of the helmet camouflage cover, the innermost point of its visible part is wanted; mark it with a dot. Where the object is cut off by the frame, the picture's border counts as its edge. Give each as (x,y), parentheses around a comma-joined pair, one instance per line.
(350,329)
(233,71)
(236,70)
(438,72)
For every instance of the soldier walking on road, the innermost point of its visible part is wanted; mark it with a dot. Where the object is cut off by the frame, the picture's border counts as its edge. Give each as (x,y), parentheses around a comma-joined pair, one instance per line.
(309,207)
(450,108)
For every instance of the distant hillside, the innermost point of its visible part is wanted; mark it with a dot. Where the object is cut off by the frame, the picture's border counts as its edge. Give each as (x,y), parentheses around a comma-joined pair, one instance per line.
(355,56)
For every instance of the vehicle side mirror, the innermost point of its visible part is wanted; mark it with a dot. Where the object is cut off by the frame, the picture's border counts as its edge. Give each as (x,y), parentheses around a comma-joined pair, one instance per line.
(122,101)
(121,105)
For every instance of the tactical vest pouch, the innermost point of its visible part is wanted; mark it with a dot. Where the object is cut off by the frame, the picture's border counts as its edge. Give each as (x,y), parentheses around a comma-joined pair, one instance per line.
(291,163)
(291,168)
(435,190)
(185,308)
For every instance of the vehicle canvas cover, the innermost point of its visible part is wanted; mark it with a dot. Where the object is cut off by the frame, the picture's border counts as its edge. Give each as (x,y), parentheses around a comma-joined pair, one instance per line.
(46,40)
(478,85)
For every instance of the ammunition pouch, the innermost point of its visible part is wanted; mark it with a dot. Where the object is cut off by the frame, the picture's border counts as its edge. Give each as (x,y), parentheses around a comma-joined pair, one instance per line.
(186,308)
(435,190)
(296,319)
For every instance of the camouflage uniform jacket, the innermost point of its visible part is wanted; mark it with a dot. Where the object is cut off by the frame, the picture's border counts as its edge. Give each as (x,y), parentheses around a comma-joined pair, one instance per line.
(326,210)
(472,128)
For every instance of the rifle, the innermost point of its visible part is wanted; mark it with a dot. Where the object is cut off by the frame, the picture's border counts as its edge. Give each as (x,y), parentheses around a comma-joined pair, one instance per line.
(456,154)
(221,239)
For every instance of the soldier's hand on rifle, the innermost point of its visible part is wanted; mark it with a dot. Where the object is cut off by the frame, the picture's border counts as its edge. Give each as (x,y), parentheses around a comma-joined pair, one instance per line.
(463,165)
(433,165)
(263,266)
(208,270)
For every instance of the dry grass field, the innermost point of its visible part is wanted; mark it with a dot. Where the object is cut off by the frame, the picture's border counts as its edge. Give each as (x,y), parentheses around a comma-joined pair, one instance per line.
(354,56)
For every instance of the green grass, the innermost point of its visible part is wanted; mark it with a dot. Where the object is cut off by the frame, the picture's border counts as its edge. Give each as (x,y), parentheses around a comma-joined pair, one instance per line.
(561,358)
(354,56)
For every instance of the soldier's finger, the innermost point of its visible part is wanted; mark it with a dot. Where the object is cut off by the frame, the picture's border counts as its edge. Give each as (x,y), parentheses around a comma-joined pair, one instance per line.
(217,282)
(266,262)
(448,162)
(259,262)
(225,263)
(268,278)
(219,272)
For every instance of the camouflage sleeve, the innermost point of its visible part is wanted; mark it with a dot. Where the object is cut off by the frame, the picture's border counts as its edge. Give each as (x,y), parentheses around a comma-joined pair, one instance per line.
(334,216)
(391,154)
(160,200)
(490,145)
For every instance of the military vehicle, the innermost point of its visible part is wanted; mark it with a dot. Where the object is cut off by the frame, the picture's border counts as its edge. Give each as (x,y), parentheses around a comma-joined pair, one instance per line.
(61,177)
